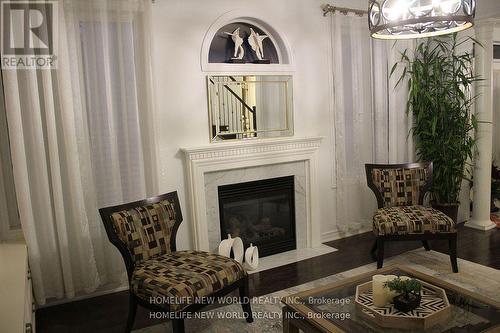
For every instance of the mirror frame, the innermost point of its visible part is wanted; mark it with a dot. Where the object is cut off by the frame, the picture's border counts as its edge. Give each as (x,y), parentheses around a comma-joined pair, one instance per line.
(286,131)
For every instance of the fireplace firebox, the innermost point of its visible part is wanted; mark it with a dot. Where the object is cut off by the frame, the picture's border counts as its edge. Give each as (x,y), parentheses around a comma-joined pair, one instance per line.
(260,212)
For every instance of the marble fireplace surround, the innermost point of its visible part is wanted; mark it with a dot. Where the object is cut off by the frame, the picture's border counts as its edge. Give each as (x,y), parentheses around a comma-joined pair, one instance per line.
(234,162)
(215,179)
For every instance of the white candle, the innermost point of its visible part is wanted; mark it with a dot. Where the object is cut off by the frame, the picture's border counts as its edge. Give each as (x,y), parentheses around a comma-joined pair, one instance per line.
(389,294)
(379,295)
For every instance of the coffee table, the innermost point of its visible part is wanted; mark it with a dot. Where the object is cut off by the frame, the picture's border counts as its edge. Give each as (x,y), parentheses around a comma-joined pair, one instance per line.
(331,308)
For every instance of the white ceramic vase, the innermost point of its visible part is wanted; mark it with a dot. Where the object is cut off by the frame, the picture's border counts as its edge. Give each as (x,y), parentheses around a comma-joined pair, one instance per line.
(234,244)
(252,258)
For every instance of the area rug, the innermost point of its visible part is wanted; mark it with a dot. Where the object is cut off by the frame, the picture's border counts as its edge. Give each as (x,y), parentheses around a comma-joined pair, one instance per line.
(477,278)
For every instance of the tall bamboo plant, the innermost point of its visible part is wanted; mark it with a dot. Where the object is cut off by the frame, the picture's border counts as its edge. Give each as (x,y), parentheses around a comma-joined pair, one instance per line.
(440,79)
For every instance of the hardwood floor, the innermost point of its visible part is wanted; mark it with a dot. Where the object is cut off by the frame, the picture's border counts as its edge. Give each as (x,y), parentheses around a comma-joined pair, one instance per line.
(108,313)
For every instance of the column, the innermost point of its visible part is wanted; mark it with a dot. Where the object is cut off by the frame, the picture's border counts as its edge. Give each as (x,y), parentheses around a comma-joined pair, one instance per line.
(484,113)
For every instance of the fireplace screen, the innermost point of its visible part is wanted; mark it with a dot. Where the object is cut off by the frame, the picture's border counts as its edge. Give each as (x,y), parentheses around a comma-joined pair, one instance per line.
(260,212)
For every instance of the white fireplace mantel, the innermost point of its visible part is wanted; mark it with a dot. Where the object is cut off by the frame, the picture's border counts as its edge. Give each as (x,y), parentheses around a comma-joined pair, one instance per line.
(248,154)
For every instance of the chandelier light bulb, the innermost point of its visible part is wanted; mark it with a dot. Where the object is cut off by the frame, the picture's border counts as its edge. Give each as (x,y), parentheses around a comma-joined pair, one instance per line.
(404,19)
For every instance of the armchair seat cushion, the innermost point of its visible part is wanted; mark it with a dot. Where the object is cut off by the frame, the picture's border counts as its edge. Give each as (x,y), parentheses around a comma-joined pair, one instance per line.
(180,278)
(405,220)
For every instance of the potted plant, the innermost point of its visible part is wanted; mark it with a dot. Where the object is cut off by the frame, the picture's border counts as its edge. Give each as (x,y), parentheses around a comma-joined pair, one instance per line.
(440,80)
(409,293)
(495,187)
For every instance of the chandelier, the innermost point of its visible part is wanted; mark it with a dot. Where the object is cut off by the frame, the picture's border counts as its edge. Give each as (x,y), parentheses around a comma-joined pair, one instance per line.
(404,19)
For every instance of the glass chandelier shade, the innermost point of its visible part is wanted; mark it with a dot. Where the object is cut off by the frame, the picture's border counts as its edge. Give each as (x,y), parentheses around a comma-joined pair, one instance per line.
(404,19)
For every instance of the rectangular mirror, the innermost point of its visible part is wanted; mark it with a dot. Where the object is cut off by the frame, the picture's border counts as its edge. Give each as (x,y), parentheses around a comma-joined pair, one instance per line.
(245,107)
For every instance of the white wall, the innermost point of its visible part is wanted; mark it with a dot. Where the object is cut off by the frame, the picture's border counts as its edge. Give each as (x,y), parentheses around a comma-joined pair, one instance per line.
(496,34)
(179,27)
(487,9)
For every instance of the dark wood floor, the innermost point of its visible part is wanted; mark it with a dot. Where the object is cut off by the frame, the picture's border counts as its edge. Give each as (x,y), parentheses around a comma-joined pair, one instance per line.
(108,313)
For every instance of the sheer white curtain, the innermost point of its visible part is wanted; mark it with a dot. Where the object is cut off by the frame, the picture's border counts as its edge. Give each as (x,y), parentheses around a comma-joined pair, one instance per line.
(79,136)
(10,226)
(393,141)
(371,125)
(115,60)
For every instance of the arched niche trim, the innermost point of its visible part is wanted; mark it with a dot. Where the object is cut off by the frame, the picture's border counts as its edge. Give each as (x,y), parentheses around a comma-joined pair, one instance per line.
(222,47)
(277,38)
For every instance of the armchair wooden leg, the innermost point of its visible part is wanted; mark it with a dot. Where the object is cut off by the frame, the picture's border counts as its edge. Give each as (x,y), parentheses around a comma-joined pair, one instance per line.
(132,309)
(426,245)
(380,253)
(178,325)
(245,300)
(373,251)
(453,252)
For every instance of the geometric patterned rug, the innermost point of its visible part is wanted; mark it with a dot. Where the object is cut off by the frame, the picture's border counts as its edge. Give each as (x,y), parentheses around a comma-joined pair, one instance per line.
(474,277)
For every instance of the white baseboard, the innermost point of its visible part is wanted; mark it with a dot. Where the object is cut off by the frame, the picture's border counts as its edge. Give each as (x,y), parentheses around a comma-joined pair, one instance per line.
(337,234)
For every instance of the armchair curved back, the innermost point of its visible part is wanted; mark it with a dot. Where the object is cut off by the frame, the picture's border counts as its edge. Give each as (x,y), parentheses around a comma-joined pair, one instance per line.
(399,184)
(143,229)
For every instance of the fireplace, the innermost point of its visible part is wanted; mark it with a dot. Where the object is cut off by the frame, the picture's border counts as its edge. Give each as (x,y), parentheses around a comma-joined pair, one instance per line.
(260,212)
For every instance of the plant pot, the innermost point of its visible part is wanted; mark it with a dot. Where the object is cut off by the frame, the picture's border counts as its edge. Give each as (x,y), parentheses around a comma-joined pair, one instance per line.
(451,210)
(494,208)
(407,302)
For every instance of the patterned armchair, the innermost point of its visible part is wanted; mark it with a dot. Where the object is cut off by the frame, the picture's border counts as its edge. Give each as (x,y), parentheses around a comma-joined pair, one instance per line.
(161,278)
(400,191)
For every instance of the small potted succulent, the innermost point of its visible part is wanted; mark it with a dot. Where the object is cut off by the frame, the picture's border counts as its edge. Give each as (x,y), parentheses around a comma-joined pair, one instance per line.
(409,293)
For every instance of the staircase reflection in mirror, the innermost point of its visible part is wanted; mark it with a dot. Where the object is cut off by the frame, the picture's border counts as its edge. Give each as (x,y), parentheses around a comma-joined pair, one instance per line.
(248,107)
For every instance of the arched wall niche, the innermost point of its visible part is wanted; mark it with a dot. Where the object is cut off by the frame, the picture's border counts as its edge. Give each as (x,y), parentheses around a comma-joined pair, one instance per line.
(222,46)
(275,36)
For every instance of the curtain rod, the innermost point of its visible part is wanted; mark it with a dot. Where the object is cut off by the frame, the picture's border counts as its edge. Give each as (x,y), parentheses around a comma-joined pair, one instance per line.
(332,9)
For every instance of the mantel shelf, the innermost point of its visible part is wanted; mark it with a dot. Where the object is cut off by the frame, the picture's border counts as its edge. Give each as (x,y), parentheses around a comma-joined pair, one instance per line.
(230,149)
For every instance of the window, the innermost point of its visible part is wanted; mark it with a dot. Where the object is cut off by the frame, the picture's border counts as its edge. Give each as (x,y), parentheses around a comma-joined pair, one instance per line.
(496,52)
(115,100)
(10,225)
